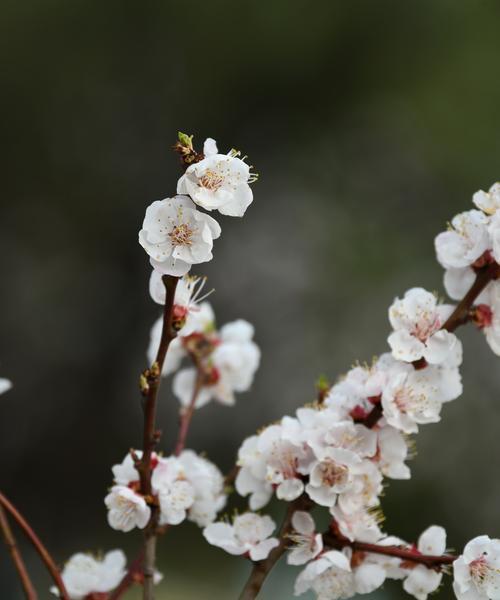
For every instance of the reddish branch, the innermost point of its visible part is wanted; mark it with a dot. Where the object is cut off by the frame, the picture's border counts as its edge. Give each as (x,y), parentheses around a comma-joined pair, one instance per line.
(150,385)
(37,544)
(134,575)
(187,414)
(17,559)
(405,554)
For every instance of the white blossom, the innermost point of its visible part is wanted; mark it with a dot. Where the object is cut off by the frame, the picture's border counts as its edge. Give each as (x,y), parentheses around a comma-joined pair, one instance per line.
(249,534)
(175,493)
(331,577)
(251,479)
(84,574)
(307,543)
(392,453)
(231,364)
(413,397)
(417,320)
(488,202)
(176,235)
(494,232)
(422,581)
(218,182)
(361,526)
(5,385)
(477,571)
(126,509)
(465,241)
(208,485)
(488,316)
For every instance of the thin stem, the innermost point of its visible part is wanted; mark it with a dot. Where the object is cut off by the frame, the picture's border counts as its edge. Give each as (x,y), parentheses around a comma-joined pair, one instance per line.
(37,544)
(188,413)
(17,559)
(151,436)
(262,568)
(407,555)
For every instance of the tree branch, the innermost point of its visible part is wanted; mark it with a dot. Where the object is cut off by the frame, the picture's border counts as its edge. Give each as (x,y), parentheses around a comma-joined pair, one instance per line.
(187,414)
(262,568)
(150,386)
(17,559)
(407,555)
(37,544)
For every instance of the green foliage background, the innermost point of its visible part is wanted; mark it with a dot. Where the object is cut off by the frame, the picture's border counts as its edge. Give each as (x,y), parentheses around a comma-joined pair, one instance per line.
(370,123)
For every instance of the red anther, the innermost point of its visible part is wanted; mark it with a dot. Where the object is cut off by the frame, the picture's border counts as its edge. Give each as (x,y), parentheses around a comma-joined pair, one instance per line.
(358,413)
(485,259)
(482,316)
(375,399)
(135,485)
(421,363)
(212,376)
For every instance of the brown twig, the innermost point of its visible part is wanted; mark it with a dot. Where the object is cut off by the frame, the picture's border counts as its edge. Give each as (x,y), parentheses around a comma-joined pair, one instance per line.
(262,568)
(17,559)
(187,414)
(37,544)
(150,384)
(406,555)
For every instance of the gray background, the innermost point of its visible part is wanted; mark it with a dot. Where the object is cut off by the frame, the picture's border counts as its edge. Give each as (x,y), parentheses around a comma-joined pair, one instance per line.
(370,123)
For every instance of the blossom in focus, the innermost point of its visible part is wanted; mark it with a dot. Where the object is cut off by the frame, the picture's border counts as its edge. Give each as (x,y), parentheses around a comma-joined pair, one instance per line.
(249,534)
(307,543)
(476,572)
(422,581)
(218,182)
(417,320)
(126,509)
(362,525)
(415,397)
(83,574)
(176,235)
(331,577)
(466,240)
(488,202)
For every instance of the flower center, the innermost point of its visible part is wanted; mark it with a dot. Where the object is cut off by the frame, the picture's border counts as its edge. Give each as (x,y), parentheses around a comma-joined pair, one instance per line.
(333,473)
(212,180)
(481,572)
(181,235)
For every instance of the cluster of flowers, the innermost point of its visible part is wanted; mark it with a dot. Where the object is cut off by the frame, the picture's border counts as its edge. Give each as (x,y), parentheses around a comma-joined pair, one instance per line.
(228,358)
(186,486)
(335,455)
(471,242)
(175,233)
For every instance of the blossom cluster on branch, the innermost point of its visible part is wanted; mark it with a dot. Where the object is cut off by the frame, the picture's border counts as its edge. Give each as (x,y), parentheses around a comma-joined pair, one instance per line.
(333,456)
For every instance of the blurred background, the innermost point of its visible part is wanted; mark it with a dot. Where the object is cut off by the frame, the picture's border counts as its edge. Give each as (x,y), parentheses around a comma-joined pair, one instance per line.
(370,123)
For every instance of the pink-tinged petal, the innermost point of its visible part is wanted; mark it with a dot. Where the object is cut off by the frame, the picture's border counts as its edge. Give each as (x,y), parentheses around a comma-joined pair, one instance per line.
(405,346)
